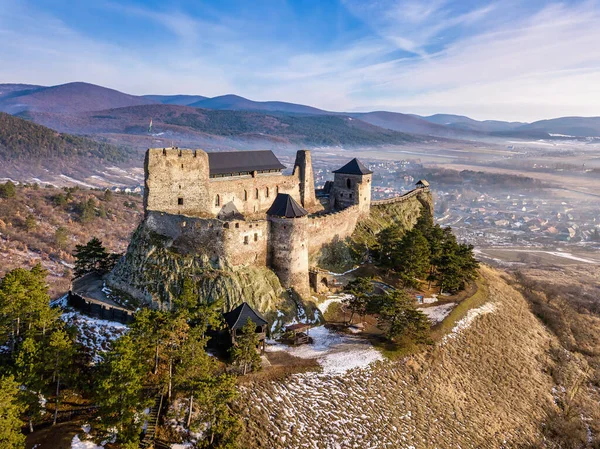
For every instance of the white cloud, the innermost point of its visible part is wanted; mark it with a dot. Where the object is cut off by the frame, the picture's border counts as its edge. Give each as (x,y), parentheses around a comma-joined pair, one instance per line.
(504,67)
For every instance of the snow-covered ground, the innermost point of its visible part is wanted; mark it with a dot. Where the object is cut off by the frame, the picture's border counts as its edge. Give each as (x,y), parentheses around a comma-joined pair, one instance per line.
(94,333)
(335,352)
(332,299)
(471,315)
(77,443)
(436,314)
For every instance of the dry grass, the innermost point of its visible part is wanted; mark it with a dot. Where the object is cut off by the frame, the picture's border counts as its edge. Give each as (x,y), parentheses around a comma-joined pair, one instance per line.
(487,387)
(20,247)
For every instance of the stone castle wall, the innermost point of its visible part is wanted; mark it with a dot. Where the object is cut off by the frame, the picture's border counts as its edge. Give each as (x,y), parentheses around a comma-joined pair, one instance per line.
(325,228)
(178,182)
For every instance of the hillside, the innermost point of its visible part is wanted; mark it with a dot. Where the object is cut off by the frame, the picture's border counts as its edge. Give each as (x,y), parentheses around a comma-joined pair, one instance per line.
(181,100)
(468,124)
(568,126)
(67,98)
(407,123)
(30,223)
(485,385)
(24,140)
(183,121)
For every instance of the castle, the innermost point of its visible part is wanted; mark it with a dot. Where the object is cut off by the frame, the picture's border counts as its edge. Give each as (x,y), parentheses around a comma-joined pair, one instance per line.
(239,209)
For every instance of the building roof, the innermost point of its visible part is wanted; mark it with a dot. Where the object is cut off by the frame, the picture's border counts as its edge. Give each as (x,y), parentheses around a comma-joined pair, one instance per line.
(285,206)
(354,167)
(225,162)
(236,318)
(423,182)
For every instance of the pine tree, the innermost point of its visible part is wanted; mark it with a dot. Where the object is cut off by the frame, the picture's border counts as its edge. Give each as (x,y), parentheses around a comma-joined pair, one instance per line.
(59,353)
(357,303)
(7,190)
(120,390)
(61,237)
(30,366)
(411,257)
(10,410)
(398,316)
(244,352)
(90,257)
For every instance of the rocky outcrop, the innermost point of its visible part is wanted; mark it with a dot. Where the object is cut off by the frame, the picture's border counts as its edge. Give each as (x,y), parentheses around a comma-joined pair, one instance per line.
(153,269)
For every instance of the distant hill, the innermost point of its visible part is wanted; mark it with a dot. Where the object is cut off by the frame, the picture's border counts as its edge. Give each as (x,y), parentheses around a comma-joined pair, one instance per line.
(183,121)
(237,103)
(407,123)
(24,140)
(181,100)
(466,123)
(7,90)
(568,126)
(67,99)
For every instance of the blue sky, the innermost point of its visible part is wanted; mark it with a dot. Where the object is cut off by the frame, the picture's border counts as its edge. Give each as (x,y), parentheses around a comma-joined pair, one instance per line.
(509,59)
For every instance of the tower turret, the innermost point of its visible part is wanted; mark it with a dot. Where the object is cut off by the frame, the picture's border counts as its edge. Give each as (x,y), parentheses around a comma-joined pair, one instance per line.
(352,186)
(289,243)
(304,167)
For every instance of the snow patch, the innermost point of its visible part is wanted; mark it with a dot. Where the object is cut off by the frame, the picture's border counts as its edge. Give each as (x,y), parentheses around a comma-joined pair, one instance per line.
(76,443)
(468,319)
(437,314)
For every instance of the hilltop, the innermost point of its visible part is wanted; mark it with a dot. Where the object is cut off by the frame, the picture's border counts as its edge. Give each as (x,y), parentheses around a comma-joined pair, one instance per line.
(23,140)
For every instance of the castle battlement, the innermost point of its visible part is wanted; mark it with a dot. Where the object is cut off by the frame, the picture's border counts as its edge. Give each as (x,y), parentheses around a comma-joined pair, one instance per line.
(239,209)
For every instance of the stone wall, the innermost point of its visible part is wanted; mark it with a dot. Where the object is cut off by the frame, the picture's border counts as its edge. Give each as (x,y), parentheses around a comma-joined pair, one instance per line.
(325,228)
(349,190)
(176,181)
(247,195)
(288,247)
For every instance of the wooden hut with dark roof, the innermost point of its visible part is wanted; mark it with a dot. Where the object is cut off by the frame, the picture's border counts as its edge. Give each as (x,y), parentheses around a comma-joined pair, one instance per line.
(238,317)
(422,184)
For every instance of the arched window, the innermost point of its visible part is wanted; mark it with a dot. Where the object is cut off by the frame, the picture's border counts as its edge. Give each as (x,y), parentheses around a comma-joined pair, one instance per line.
(256,193)
(245,195)
(348,183)
(217,200)
(267,192)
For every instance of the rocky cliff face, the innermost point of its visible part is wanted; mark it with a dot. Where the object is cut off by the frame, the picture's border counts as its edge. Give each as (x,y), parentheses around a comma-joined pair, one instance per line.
(152,272)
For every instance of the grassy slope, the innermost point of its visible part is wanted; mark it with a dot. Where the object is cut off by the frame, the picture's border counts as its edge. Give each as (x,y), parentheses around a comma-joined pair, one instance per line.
(19,247)
(486,386)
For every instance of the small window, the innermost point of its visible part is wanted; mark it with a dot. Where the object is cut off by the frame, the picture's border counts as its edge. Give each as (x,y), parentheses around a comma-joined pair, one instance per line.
(350,195)
(256,237)
(245,195)
(245,240)
(179,186)
(256,193)
(217,200)
(348,183)
(226,225)
(181,166)
(237,225)
(180,201)
(267,192)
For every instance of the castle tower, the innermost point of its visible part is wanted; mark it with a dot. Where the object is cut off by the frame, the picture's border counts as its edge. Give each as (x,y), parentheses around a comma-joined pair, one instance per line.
(352,186)
(289,243)
(304,167)
(176,181)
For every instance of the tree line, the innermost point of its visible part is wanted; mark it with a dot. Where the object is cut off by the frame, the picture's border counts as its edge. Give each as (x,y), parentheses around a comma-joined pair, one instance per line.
(163,353)
(428,253)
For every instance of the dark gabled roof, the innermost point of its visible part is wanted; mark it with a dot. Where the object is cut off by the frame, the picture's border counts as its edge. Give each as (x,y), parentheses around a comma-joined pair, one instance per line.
(239,316)
(354,167)
(285,206)
(221,163)
(423,182)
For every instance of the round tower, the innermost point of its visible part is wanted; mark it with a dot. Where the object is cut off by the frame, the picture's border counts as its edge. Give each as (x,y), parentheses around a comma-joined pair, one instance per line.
(288,245)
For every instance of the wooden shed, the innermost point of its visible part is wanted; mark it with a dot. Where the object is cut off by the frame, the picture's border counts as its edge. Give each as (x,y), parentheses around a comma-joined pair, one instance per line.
(422,183)
(238,317)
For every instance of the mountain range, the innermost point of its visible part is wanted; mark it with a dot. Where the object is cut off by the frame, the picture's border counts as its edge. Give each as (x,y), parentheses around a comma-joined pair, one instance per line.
(83,108)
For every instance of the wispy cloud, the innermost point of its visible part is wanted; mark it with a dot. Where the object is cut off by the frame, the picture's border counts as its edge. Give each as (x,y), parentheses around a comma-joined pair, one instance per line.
(506,60)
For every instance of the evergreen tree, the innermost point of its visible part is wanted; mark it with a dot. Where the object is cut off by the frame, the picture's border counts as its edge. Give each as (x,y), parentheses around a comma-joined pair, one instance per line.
(86,210)
(59,353)
(29,367)
(387,240)
(244,353)
(398,316)
(24,304)
(30,223)
(61,237)
(10,410)
(90,257)
(120,390)
(360,290)
(108,195)
(8,190)
(411,257)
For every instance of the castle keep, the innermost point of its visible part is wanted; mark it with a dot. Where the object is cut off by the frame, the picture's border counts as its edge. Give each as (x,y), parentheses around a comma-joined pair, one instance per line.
(233,210)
